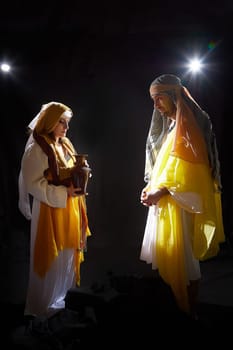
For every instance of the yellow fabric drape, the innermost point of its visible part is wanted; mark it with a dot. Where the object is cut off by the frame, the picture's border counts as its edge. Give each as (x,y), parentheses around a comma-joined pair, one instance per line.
(61,228)
(170,250)
(206,227)
(49,116)
(58,229)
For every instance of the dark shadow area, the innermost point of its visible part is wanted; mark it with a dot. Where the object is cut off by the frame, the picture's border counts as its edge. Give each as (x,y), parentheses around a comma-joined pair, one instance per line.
(129,309)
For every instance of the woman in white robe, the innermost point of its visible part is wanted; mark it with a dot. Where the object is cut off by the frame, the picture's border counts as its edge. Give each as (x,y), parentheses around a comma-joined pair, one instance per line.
(59,224)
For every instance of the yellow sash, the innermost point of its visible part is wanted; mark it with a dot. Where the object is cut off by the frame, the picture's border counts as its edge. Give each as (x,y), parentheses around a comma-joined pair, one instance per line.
(58,229)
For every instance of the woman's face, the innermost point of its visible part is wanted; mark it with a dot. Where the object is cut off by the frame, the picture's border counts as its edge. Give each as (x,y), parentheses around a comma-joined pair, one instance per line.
(165,105)
(61,128)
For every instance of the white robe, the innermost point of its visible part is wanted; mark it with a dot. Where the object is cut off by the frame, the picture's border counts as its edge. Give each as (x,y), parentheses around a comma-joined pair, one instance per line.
(45,296)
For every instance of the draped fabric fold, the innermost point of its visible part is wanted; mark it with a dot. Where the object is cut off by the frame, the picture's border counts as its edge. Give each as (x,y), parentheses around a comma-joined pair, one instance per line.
(207,231)
(65,228)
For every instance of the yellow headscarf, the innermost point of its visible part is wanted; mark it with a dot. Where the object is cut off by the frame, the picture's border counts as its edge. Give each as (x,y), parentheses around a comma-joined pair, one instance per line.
(49,116)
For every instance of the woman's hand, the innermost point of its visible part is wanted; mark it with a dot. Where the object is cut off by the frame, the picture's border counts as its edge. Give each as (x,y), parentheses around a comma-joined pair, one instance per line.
(73,191)
(152,197)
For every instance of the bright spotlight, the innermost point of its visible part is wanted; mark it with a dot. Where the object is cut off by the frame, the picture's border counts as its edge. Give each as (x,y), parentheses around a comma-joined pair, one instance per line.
(5,67)
(195,65)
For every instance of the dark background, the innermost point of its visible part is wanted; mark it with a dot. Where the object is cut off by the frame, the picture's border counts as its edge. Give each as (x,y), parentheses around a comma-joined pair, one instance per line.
(100,59)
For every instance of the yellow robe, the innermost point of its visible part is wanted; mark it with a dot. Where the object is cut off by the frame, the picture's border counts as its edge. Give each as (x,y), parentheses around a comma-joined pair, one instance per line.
(205,225)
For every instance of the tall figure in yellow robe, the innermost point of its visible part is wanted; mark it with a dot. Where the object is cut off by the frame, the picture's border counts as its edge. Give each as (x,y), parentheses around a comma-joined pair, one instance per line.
(183,191)
(59,223)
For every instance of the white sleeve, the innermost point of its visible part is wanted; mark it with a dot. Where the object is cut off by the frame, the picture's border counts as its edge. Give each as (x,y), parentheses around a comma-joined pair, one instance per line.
(189,201)
(24,204)
(33,165)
